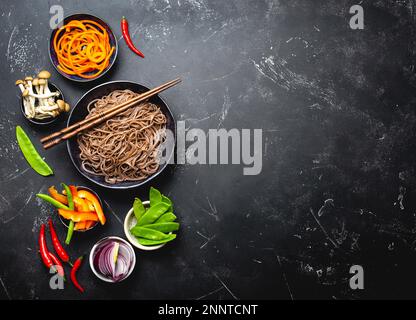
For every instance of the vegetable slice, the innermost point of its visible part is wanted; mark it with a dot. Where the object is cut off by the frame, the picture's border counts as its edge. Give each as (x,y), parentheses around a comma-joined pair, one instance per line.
(77,216)
(70,199)
(148,242)
(166,217)
(153,213)
(168,201)
(57,196)
(31,155)
(165,227)
(148,233)
(52,201)
(138,208)
(84,194)
(154,196)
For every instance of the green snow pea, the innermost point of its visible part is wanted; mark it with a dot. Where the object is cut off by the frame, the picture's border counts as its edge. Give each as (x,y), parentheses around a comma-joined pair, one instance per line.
(148,233)
(71,207)
(168,201)
(154,196)
(164,227)
(52,201)
(138,209)
(153,213)
(148,242)
(166,217)
(30,153)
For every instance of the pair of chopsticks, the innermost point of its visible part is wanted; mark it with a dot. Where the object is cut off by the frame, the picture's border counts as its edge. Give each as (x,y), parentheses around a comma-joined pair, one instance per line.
(89,123)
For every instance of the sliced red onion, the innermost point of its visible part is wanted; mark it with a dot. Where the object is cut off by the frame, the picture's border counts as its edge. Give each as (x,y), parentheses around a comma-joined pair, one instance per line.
(104,261)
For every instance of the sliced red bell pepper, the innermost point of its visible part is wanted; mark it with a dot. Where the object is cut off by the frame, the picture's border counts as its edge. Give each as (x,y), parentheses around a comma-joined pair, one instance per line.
(84,194)
(77,216)
(74,190)
(57,196)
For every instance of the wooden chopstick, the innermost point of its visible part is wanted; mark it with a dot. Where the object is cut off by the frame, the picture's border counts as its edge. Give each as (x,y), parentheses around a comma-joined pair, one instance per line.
(82,122)
(85,124)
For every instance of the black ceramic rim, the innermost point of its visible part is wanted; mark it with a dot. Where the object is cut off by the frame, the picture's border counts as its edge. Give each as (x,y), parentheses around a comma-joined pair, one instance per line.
(47,120)
(139,182)
(70,17)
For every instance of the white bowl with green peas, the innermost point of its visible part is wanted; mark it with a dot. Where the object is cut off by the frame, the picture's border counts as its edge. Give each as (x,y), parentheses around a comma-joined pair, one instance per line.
(130,222)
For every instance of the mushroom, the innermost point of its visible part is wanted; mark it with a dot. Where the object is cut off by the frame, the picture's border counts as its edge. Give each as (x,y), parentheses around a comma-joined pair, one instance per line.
(21,84)
(38,101)
(35,84)
(28,82)
(45,76)
(61,105)
(41,84)
(26,101)
(41,87)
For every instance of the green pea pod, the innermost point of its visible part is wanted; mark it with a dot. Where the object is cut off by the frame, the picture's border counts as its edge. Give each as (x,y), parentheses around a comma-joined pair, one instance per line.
(71,207)
(168,201)
(70,232)
(52,201)
(154,196)
(148,233)
(153,213)
(138,208)
(166,217)
(69,196)
(31,155)
(164,227)
(148,242)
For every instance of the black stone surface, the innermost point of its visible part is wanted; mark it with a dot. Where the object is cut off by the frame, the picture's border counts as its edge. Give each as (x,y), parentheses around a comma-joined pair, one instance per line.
(337,111)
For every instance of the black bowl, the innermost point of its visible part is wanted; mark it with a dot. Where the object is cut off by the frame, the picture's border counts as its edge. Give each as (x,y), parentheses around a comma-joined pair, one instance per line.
(113,43)
(64,221)
(79,112)
(46,121)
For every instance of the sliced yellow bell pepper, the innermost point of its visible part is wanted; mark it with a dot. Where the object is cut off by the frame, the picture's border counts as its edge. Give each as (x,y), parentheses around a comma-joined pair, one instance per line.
(84,194)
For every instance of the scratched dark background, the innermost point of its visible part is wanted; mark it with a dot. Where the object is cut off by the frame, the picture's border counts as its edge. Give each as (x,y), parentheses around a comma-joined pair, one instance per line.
(337,109)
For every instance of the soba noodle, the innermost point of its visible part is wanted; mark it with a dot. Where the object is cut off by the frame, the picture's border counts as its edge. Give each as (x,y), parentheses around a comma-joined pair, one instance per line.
(125,147)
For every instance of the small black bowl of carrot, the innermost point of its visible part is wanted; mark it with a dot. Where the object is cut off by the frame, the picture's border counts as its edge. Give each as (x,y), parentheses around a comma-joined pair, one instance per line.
(84,48)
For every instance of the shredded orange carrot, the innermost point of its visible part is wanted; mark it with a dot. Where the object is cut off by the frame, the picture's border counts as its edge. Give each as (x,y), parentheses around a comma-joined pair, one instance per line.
(83,48)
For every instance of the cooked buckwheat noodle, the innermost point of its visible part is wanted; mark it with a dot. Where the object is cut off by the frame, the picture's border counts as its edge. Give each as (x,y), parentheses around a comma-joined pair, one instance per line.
(125,147)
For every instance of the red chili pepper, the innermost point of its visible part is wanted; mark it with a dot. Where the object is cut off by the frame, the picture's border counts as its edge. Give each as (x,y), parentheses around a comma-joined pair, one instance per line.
(57,262)
(74,270)
(44,252)
(57,244)
(127,38)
